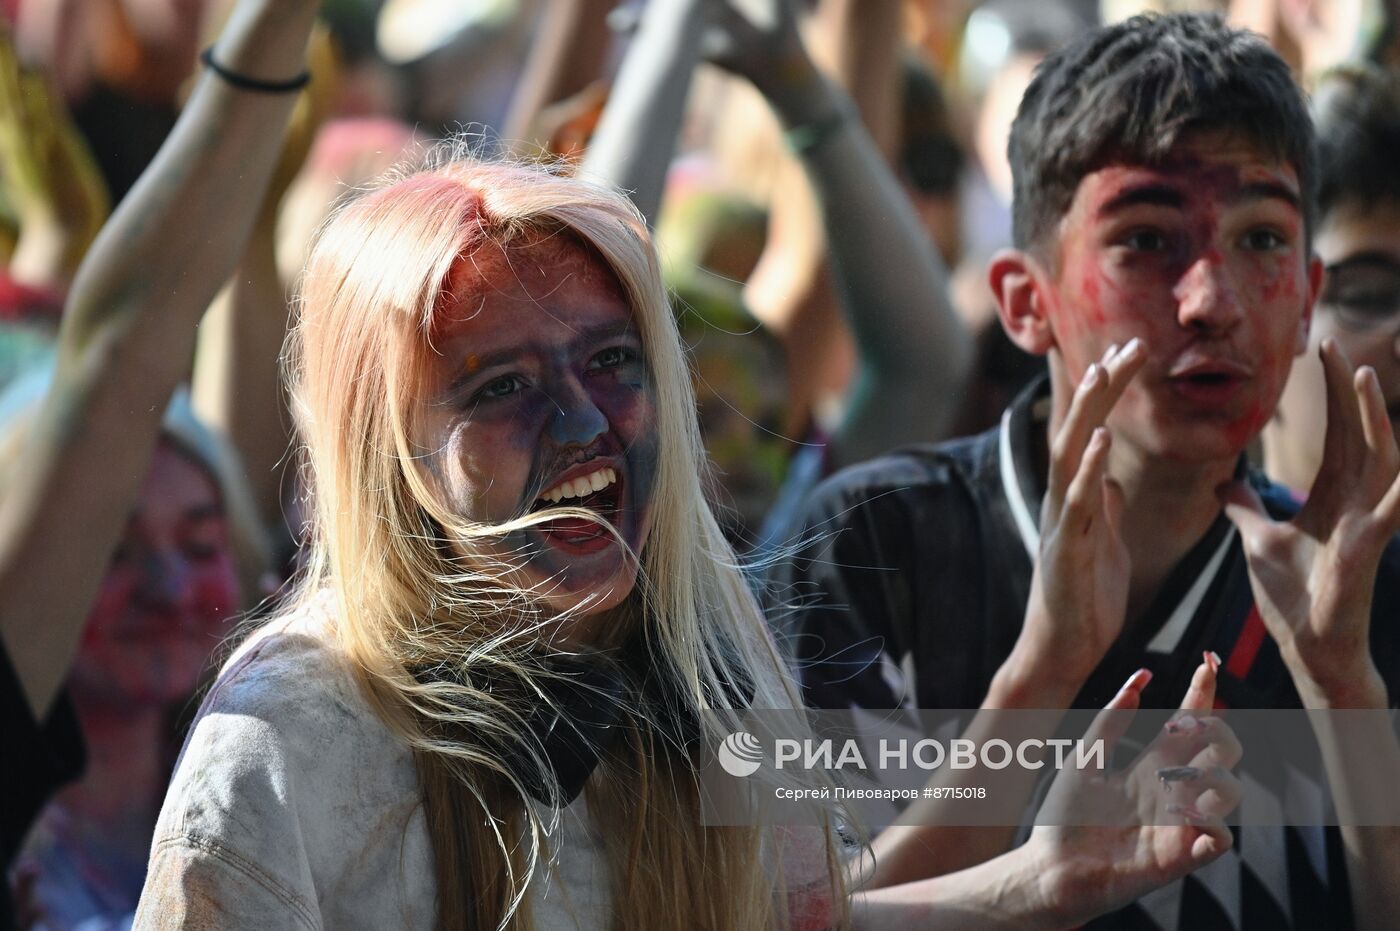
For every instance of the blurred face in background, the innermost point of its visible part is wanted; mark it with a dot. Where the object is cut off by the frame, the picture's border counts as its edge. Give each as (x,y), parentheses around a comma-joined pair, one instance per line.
(169,593)
(1359,245)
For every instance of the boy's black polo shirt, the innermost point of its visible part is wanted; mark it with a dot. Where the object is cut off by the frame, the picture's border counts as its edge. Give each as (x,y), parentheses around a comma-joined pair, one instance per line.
(909,589)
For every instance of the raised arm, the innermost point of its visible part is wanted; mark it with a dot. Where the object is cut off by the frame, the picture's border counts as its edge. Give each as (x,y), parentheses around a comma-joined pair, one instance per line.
(568,53)
(127,337)
(237,386)
(914,351)
(636,137)
(48,176)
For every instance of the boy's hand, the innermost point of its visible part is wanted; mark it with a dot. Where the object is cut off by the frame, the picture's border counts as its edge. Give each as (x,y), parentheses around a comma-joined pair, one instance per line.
(1106,840)
(1079,592)
(1314,576)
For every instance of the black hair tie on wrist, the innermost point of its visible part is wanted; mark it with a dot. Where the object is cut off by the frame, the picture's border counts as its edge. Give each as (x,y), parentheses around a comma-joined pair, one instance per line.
(243,82)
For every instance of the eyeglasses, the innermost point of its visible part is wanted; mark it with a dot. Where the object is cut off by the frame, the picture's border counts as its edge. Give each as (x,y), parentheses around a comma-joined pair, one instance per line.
(1363,292)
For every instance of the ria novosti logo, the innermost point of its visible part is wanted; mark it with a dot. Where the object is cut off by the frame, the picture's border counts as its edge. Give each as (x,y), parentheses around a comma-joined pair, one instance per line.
(740,754)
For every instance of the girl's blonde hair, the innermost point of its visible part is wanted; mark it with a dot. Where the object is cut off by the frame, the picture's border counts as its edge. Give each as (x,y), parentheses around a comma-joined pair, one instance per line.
(428,630)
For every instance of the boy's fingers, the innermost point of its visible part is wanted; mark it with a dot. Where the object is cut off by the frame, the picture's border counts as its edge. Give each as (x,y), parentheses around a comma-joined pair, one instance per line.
(1075,433)
(1099,390)
(1375,423)
(1244,509)
(1388,511)
(1343,415)
(1084,500)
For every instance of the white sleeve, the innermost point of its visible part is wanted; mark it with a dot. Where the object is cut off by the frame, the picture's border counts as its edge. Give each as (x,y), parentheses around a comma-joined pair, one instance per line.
(228,849)
(193,885)
(292,806)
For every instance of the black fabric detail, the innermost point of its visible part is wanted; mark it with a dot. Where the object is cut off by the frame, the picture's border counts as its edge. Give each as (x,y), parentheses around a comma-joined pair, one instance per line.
(42,757)
(577,712)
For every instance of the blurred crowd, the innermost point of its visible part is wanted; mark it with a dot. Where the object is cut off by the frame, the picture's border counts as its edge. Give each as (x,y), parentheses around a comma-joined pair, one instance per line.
(820,335)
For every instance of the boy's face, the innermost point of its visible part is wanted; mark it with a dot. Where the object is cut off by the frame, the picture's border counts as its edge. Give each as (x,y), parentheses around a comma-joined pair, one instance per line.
(1202,257)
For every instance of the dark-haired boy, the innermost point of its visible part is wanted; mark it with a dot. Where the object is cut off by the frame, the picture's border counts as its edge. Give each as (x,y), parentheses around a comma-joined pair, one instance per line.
(1164,172)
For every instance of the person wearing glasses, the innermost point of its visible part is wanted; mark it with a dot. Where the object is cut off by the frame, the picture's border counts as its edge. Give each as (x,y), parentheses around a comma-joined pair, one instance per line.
(1356,109)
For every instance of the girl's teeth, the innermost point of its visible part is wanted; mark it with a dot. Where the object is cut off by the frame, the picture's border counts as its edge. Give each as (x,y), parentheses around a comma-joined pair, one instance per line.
(581,487)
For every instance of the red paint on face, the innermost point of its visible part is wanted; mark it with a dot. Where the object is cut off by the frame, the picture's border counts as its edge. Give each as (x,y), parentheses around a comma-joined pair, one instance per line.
(1202,257)
(168,595)
(560,389)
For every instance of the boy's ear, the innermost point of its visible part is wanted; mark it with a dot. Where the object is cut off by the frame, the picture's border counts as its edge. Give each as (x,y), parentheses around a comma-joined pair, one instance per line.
(1016,283)
(1316,274)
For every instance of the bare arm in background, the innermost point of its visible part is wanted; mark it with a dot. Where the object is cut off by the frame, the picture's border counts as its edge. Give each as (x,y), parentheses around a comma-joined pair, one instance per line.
(237,386)
(48,175)
(568,53)
(913,349)
(636,137)
(791,289)
(127,337)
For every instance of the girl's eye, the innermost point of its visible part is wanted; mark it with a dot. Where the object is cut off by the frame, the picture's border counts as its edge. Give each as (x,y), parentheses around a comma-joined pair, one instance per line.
(612,357)
(501,387)
(1263,240)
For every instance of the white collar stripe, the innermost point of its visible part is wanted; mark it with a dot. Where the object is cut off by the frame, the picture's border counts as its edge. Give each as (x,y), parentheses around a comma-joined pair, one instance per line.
(1169,636)
(1011,487)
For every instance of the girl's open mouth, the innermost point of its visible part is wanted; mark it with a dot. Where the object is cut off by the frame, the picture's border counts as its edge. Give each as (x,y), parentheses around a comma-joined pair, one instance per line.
(599,491)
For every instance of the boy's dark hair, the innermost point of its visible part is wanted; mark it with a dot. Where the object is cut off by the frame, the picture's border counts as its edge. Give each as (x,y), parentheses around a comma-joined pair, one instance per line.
(1131,91)
(1357,112)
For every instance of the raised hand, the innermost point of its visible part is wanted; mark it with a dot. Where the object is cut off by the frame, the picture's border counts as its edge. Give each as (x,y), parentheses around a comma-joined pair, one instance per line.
(48,175)
(753,38)
(1079,592)
(1105,840)
(1313,577)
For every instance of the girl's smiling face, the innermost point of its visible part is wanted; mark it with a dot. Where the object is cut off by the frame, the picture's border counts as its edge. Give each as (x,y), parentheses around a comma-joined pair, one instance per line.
(538,394)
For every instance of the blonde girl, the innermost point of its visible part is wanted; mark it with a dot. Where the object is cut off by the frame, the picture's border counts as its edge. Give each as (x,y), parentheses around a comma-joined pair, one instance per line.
(505,472)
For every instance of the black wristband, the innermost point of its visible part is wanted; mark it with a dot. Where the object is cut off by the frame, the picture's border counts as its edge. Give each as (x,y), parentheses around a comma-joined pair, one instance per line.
(243,82)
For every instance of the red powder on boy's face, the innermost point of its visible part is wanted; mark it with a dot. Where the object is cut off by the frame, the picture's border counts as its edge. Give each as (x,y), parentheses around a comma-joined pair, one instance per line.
(1203,258)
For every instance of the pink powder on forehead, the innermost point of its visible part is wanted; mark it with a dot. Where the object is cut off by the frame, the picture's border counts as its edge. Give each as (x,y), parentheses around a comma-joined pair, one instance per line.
(488,266)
